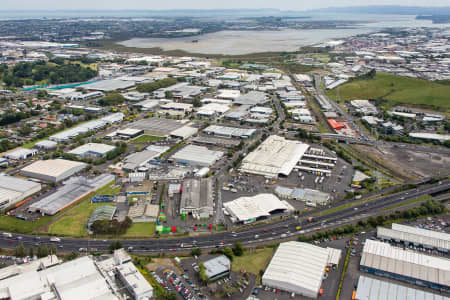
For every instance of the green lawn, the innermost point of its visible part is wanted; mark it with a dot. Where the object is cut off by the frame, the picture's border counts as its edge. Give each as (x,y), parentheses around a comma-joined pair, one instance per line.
(11,224)
(141,229)
(253,261)
(396,89)
(146,139)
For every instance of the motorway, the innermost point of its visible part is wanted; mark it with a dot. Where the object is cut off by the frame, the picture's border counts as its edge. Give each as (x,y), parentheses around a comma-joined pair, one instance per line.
(252,235)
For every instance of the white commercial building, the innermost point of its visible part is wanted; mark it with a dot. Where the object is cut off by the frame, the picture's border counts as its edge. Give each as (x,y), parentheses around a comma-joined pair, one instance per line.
(21,154)
(275,156)
(374,289)
(197,156)
(73,280)
(184,132)
(416,236)
(299,268)
(13,190)
(53,170)
(230,132)
(386,260)
(134,281)
(92,149)
(249,209)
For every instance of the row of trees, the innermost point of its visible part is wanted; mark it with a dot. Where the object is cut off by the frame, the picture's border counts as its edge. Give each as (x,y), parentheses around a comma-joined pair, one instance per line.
(153,86)
(429,207)
(41,251)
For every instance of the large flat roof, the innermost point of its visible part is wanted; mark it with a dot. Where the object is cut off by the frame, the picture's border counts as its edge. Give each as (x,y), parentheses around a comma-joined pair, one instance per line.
(217,265)
(276,155)
(387,258)
(197,155)
(248,208)
(73,280)
(94,148)
(374,289)
(298,267)
(109,85)
(17,184)
(53,167)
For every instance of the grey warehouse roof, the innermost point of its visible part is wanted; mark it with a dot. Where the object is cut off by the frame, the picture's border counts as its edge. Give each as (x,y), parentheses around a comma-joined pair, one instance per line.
(217,266)
(374,289)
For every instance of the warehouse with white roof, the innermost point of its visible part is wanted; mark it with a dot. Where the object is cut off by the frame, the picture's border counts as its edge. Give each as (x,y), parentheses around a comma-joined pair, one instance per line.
(250,209)
(230,132)
(385,260)
(197,156)
(275,156)
(53,170)
(374,289)
(416,236)
(299,268)
(13,190)
(92,149)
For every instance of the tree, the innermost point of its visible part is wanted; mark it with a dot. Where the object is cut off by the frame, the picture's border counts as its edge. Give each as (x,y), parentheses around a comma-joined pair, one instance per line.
(115,245)
(202,273)
(31,251)
(42,94)
(168,94)
(228,253)
(238,249)
(196,252)
(112,100)
(20,251)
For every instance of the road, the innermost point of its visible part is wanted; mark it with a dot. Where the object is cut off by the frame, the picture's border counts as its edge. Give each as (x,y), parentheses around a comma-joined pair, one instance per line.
(255,234)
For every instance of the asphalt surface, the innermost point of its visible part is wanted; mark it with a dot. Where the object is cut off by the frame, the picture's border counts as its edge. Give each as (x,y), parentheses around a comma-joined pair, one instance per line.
(257,234)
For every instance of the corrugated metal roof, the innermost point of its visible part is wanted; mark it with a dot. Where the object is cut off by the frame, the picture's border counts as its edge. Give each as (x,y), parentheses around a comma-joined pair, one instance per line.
(423,237)
(382,256)
(374,289)
(298,264)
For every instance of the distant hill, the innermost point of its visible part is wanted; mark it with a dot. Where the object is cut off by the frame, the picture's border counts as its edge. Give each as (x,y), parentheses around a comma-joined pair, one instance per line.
(387,10)
(397,90)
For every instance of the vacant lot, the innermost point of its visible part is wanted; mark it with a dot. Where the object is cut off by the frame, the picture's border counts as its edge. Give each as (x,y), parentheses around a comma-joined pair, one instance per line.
(253,261)
(141,229)
(396,90)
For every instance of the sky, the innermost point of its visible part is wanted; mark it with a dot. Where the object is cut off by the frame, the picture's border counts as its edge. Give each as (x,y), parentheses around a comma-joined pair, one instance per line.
(201,4)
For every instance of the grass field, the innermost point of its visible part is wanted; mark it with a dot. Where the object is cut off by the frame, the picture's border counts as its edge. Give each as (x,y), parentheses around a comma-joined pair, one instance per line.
(253,261)
(396,90)
(146,139)
(74,222)
(11,224)
(141,229)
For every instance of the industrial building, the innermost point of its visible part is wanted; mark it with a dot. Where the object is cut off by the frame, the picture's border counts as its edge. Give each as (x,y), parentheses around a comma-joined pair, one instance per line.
(312,197)
(109,85)
(140,159)
(217,268)
(275,156)
(374,289)
(92,149)
(21,154)
(385,260)
(252,98)
(157,126)
(197,156)
(81,278)
(250,209)
(184,132)
(46,145)
(73,190)
(212,110)
(14,190)
(197,198)
(52,170)
(104,212)
(299,268)
(66,135)
(364,107)
(230,132)
(416,236)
